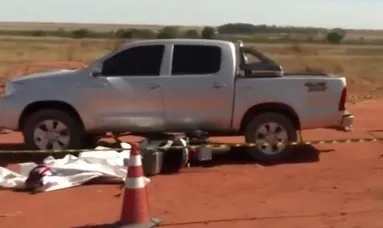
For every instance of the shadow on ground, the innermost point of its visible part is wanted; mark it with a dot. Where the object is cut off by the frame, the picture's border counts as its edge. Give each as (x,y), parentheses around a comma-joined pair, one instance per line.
(9,154)
(239,156)
(302,154)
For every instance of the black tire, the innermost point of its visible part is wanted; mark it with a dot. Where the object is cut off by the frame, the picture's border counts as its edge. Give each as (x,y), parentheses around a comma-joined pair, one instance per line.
(90,141)
(75,128)
(250,137)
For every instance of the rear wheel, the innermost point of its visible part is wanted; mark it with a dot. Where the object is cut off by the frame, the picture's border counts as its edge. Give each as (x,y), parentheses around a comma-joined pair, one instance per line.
(274,131)
(52,129)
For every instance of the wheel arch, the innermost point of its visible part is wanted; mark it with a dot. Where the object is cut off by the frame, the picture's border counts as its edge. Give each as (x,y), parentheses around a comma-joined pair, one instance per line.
(49,104)
(276,107)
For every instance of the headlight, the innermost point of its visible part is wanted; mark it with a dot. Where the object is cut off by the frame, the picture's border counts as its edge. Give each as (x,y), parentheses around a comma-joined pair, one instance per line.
(11,88)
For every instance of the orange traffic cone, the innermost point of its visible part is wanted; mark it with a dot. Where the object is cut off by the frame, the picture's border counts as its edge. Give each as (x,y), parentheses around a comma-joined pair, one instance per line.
(135,205)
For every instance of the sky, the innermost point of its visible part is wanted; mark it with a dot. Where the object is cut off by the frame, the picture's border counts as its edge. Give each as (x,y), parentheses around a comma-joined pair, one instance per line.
(318,13)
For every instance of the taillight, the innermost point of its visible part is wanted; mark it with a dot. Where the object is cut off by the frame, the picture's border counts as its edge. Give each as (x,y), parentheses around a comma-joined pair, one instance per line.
(342,100)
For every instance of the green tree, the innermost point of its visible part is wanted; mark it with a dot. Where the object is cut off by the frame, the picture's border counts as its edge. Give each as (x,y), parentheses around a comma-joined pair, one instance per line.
(81,33)
(335,36)
(192,33)
(168,32)
(236,28)
(361,40)
(62,33)
(38,33)
(208,32)
(144,33)
(124,33)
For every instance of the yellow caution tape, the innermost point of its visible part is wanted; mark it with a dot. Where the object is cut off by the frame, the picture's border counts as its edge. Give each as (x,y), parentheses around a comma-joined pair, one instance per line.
(313,142)
(212,145)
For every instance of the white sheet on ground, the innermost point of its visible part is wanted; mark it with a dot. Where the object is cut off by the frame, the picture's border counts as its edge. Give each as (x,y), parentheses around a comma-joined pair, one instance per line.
(73,171)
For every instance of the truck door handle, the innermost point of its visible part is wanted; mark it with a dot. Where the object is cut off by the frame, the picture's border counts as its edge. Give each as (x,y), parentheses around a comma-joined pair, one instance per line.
(217,85)
(154,86)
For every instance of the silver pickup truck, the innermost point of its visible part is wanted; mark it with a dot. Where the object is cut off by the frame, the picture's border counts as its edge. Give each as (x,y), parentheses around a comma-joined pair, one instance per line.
(175,85)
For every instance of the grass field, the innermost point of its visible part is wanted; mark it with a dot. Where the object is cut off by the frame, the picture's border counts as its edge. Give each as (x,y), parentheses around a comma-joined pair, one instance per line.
(361,64)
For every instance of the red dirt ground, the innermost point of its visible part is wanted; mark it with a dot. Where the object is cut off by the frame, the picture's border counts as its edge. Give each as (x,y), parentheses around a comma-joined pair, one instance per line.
(333,185)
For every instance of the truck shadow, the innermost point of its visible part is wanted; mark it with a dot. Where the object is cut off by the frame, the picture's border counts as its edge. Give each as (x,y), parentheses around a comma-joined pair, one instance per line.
(8,154)
(302,154)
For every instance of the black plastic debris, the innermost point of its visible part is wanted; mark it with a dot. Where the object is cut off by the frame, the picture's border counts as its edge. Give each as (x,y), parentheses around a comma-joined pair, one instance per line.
(160,156)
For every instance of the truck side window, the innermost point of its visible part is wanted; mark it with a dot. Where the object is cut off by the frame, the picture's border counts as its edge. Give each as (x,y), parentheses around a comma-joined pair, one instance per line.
(135,61)
(196,59)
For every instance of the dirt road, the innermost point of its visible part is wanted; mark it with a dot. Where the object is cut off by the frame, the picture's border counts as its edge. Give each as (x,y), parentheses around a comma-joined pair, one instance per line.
(332,185)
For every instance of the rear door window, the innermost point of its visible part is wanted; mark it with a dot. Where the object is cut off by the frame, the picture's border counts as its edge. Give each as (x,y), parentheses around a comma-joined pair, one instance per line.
(196,59)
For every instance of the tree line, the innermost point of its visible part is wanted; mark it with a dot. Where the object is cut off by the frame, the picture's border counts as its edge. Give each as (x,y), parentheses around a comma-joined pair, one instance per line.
(243,31)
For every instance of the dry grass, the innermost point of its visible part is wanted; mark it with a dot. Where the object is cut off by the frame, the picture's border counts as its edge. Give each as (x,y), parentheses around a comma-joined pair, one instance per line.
(361,64)
(30,26)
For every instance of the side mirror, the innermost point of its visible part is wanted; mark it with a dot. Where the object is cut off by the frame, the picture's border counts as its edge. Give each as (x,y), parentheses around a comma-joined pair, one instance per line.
(96,69)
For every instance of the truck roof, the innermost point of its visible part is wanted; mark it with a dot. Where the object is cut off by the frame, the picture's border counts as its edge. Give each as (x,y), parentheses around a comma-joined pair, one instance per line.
(182,41)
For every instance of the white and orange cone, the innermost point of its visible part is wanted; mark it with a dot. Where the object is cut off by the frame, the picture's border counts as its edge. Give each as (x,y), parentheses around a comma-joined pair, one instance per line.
(135,205)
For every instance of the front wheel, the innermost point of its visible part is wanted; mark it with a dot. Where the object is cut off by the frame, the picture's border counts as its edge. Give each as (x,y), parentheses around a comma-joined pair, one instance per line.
(52,130)
(271,131)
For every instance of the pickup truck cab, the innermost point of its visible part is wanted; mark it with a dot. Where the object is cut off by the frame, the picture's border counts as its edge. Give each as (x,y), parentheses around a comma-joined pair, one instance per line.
(175,85)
